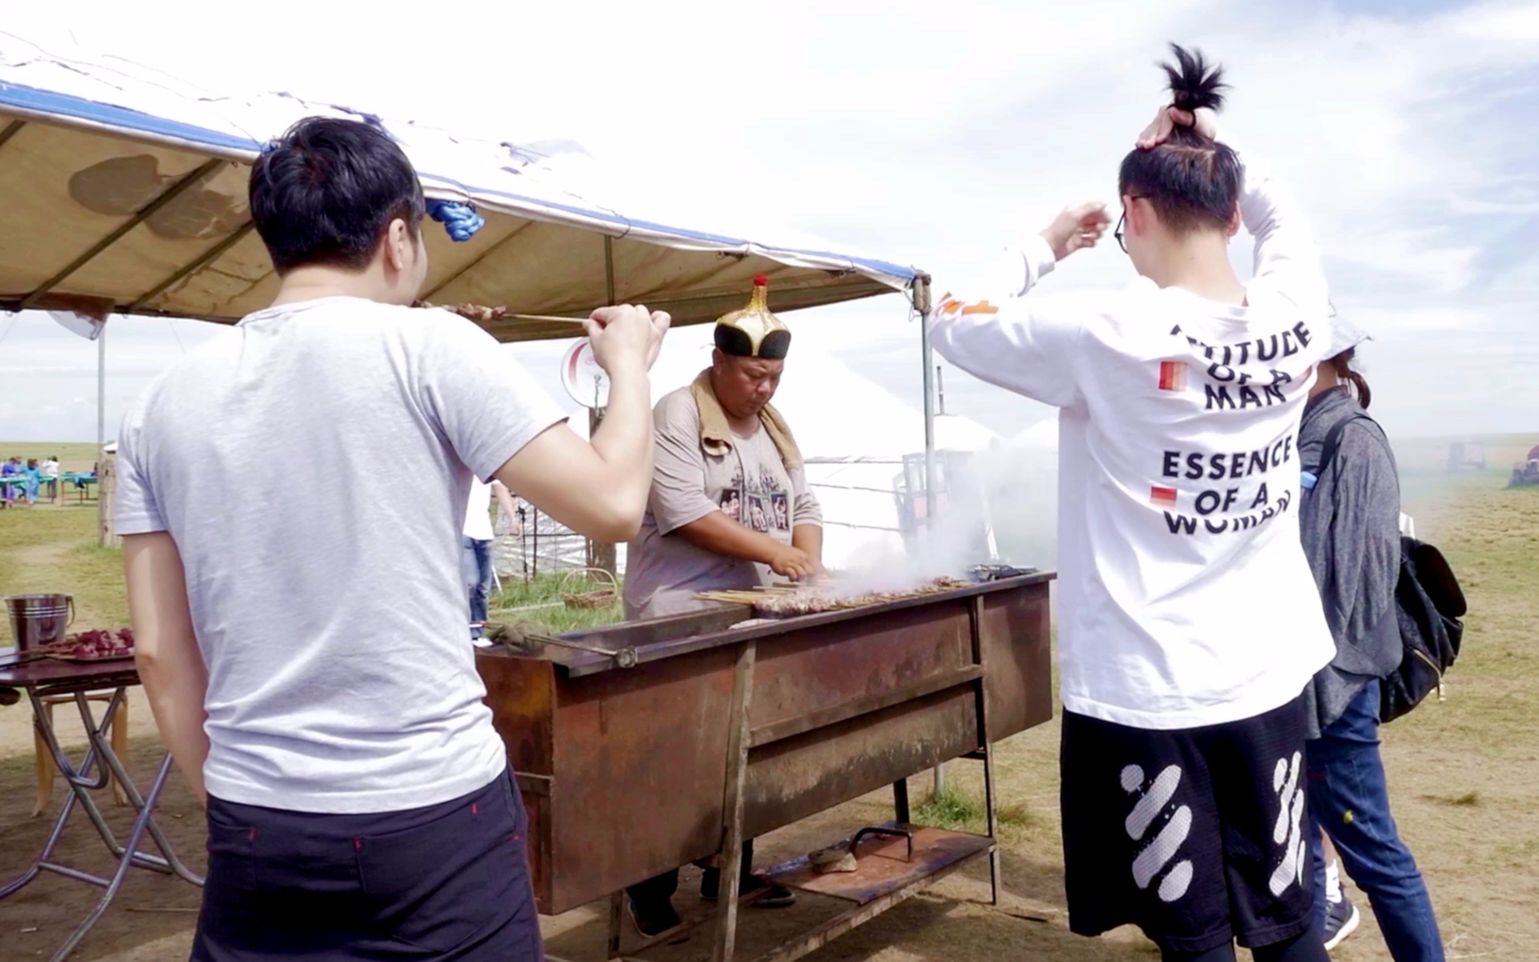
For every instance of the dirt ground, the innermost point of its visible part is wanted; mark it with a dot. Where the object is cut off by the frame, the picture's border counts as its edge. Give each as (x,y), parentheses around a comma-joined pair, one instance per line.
(1464,777)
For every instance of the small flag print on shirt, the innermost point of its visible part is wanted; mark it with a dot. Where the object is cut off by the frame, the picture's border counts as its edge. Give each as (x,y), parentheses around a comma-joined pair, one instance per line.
(1162,497)
(1172,376)
(950,305)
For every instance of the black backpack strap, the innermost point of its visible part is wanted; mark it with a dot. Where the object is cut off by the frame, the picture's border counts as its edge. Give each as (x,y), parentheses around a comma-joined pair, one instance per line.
(1333,441)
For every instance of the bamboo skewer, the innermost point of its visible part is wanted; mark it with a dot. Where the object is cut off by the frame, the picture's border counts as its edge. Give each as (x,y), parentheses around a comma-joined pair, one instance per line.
(482,314)
(732,597)
(547,317)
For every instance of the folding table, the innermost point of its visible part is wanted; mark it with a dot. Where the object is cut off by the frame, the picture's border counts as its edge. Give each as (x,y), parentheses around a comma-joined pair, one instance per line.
(45,677)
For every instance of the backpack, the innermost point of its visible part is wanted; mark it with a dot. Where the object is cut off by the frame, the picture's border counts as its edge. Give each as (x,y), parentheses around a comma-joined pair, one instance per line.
(1428,605)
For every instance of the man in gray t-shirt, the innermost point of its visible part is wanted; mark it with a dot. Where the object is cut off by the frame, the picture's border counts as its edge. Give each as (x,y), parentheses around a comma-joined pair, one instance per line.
(729,503)
(729,507)
(749,487)
(304,647)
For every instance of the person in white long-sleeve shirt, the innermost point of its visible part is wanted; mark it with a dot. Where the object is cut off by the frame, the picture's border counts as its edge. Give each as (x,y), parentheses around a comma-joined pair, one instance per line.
(1190,621)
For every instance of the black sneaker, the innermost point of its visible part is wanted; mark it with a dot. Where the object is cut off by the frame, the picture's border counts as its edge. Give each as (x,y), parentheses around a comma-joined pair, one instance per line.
(653,920)
(1341,920)
(774,897)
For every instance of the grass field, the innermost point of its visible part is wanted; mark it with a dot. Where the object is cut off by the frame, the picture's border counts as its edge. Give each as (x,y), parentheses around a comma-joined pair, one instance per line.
(1464,773)
(53,549)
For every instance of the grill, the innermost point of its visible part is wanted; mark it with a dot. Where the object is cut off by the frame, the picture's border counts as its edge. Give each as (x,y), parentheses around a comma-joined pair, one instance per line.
(645,746)
(791,600)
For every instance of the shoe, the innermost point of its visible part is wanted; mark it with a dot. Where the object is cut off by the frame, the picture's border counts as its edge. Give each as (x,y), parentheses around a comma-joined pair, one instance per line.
(1341,920)
(774,897)
(653,920)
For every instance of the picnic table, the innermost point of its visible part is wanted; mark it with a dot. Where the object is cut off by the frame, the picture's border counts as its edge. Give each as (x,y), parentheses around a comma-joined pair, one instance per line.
(82,480)
(13,486)
(49,677)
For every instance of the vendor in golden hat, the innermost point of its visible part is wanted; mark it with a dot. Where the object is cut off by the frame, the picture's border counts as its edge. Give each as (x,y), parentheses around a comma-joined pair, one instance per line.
(730,508)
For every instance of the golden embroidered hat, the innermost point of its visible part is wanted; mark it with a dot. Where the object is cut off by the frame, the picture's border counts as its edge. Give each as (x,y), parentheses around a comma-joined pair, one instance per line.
(753,331)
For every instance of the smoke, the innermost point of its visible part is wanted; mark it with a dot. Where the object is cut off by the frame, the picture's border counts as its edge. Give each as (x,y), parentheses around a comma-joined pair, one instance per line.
(998,505)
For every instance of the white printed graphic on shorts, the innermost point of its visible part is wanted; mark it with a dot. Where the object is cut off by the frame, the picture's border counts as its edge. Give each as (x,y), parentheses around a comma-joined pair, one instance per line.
(1288,831)
(1158,852)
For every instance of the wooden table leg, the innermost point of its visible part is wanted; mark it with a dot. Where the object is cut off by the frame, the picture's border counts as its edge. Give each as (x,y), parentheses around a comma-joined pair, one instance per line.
(737,776)
(44,763)
(120,748)
(616,921)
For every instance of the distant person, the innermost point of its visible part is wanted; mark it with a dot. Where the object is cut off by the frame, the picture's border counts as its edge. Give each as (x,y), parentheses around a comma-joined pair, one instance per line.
(1191,624)
(24,483)
(305,658)
(49,472)
(34,476)
(722,448)
(10,468)
(1349,521)
(476,560)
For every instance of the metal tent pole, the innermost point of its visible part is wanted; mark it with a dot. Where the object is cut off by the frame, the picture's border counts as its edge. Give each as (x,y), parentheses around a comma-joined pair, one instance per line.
(927,358)
(104,484)
(602,554)
(101,390)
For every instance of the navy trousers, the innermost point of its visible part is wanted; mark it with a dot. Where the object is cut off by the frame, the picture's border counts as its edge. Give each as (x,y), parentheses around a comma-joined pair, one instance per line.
(446,883)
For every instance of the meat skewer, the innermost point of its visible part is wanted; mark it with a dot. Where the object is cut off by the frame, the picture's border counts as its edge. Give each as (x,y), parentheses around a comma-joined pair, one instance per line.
(482,314)
(821,598)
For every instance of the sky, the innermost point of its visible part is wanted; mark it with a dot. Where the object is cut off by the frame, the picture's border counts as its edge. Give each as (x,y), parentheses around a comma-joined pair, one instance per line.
(930,135)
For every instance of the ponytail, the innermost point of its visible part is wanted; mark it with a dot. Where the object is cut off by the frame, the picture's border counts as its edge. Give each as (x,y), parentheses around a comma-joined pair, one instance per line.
(1342,364)
(1191,181)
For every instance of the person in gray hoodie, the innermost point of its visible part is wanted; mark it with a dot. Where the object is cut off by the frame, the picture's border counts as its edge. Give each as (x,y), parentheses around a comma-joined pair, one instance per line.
(1349,522)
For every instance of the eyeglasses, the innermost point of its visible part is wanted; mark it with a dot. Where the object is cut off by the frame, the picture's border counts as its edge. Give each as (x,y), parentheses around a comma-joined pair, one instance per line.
(1121,232)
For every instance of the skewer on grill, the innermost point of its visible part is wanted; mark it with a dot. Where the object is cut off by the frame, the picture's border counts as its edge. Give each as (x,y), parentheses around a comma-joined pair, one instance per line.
(784,602)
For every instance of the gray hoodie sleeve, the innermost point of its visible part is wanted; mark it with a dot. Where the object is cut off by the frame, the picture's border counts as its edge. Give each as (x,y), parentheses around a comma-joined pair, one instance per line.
(1362,553)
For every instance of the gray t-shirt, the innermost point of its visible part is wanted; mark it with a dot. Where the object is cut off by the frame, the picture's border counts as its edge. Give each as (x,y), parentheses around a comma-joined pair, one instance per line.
(750,484)
(313,467)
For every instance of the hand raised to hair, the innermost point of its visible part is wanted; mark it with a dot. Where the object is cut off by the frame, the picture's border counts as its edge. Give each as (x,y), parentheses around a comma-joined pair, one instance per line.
(1076,227)
(1168,118)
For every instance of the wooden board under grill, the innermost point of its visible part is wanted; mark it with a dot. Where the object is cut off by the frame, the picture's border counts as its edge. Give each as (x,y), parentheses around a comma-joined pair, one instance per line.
(789,602)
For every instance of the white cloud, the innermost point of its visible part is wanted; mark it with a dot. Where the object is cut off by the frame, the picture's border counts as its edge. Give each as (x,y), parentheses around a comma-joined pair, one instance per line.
(1505,24)
(933,134)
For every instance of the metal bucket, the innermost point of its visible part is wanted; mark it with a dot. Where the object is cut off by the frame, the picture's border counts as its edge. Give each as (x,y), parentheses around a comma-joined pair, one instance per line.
(38,620)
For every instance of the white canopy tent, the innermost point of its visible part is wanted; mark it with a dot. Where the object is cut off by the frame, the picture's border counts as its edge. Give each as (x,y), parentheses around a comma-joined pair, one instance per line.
(124,185)
(124,190)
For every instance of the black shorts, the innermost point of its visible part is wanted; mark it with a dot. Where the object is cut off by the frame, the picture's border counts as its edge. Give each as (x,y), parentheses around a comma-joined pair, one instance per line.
(1195,835)
(444,882)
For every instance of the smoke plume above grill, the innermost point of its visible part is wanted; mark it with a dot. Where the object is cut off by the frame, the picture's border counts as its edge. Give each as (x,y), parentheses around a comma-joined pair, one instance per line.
(1000,507)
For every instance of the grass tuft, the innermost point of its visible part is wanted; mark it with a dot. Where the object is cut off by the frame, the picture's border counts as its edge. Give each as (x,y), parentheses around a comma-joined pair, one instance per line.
(950,809)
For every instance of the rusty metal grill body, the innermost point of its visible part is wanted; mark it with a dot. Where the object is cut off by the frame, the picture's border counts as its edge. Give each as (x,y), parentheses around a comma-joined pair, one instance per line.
(628,772)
